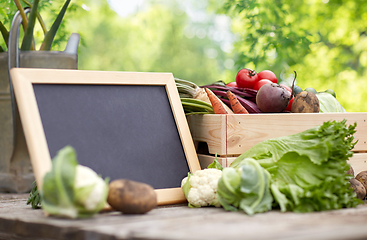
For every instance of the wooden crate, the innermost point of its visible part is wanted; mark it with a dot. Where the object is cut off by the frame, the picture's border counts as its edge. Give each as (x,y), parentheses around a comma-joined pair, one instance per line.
(228,136)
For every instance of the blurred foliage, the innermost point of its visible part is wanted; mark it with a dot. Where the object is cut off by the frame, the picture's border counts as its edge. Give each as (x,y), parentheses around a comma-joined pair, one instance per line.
(48,10)
(150,40)
(323,41)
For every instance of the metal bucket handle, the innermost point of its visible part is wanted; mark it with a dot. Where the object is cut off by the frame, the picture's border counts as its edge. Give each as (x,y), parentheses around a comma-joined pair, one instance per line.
(13,58)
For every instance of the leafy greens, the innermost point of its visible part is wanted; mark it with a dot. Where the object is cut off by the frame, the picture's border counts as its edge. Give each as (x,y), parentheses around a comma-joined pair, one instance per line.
(308,169)
(245,188)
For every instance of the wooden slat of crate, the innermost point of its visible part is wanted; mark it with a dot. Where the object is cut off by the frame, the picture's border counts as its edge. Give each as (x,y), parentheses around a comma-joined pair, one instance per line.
(243,132)
(211,129)
(231,135)
(358,161)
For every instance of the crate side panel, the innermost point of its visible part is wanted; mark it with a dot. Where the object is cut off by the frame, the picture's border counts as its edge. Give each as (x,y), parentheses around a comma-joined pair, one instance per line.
(206,160)
(358,162)
(211,129)
(244,131)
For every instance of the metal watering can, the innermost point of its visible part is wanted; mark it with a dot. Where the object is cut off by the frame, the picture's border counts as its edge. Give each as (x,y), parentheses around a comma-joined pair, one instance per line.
(16,173)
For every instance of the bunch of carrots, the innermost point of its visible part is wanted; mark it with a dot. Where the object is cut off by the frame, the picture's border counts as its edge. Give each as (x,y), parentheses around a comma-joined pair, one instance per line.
(218,105)
(216,98)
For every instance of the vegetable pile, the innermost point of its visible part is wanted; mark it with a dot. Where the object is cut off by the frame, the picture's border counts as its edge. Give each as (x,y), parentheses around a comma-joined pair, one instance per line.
(73,191)
(254,93)
(303,172)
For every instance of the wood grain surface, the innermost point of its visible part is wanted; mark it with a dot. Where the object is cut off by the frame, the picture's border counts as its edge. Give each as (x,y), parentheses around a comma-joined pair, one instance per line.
(232,135)
(176,222)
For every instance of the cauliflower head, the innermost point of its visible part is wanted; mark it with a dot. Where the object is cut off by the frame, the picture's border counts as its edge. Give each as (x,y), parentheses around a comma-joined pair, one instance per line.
(71,190)
(87,178)
(200,188)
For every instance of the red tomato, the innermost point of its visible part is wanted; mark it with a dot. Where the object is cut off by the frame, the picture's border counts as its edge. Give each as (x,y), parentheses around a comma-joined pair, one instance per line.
(267,74)
(231,84)
(261,83)
(246,78)
(289,105)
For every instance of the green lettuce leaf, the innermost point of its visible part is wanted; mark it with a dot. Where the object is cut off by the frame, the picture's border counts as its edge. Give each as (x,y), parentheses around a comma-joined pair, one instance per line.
(308,169)
(215,164)
(245,188)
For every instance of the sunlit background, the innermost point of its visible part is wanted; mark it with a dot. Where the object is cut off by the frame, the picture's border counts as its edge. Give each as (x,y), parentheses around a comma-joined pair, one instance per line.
(210,40)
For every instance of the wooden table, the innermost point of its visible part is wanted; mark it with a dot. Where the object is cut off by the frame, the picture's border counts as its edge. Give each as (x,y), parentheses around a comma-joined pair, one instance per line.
(19,221)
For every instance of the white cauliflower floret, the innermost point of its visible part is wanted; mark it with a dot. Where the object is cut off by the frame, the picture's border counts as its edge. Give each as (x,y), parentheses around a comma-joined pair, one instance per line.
(203,187)
(85,177)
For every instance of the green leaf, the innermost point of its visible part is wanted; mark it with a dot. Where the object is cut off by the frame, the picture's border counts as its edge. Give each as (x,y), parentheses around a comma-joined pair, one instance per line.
(308,169)
(246,188)
(50,35)
(215,164)
(34,197)
(58,187)
(28,35)
(228,189)
(40,20)
(186,187)
(4,33)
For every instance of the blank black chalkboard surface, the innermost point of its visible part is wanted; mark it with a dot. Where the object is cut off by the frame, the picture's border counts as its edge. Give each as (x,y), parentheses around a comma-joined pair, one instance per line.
(121,124)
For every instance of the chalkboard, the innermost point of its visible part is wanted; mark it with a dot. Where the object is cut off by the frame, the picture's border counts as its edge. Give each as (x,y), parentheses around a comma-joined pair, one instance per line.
(121,124)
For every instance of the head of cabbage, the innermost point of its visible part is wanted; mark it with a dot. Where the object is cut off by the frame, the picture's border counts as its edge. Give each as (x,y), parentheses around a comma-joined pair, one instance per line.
(71,190)
(245,188)
(328,103)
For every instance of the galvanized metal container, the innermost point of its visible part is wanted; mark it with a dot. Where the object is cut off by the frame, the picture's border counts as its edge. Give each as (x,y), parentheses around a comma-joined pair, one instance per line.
(16,173)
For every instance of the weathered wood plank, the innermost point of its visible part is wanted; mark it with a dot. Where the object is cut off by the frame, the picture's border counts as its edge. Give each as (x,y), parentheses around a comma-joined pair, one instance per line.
(19,221)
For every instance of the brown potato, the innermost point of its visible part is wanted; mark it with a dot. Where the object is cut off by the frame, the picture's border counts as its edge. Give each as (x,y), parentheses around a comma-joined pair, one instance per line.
(358,188)
(362,177)
(305,102)
(131,197)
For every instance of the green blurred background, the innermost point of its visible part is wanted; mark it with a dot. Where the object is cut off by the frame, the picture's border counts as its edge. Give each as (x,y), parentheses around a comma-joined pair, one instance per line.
(204,41)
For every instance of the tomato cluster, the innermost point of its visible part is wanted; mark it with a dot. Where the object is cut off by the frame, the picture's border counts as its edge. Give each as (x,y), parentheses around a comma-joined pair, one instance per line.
(248,78)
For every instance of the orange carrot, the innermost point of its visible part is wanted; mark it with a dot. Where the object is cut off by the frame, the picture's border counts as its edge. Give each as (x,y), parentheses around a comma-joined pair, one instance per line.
(235,104)
(216,103)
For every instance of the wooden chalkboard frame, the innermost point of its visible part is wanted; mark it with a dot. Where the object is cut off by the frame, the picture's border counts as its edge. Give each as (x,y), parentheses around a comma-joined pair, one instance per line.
(23,80)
